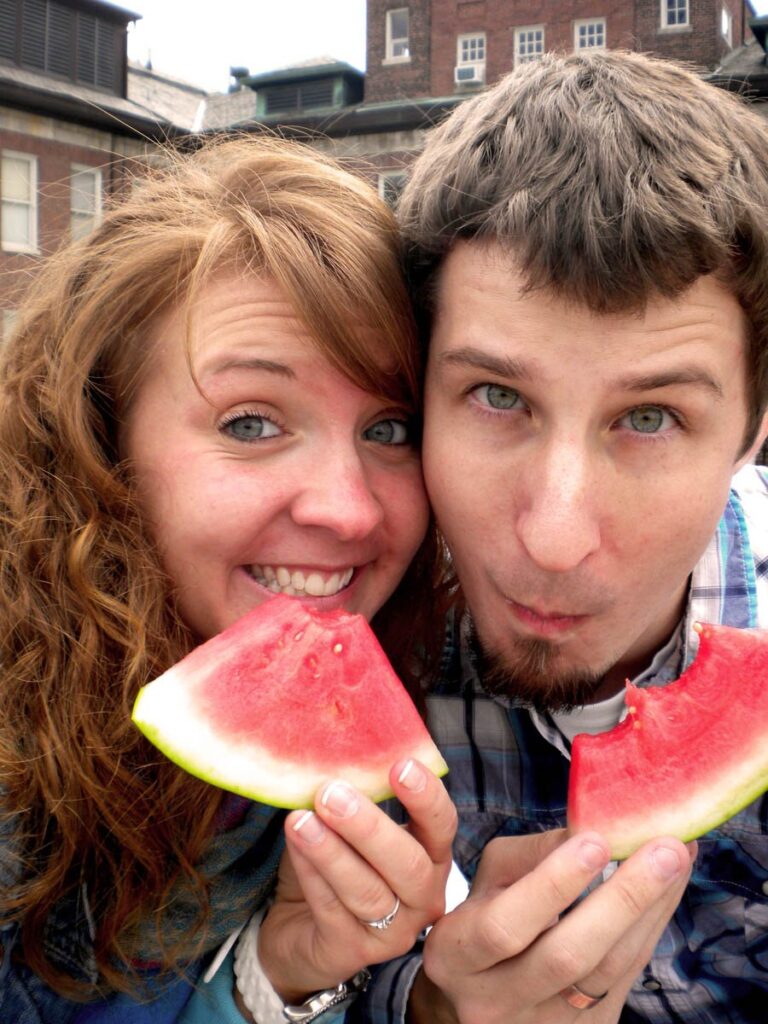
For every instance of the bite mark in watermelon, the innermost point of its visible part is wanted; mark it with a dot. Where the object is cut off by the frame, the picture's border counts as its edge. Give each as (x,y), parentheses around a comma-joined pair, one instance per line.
(688,756)
(283,700)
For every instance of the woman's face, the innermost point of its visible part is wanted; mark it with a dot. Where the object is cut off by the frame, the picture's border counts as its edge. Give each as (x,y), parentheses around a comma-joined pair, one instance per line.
(273,473)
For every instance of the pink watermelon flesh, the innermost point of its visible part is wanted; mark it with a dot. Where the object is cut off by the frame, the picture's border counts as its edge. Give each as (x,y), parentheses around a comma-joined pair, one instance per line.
(687,757)
(283,700)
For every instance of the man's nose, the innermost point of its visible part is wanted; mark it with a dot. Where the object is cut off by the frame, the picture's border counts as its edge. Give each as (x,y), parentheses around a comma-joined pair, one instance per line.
(557,522)
(337,495)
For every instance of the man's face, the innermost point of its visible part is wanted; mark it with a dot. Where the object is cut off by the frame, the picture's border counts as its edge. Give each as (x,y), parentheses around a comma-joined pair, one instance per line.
(578,465)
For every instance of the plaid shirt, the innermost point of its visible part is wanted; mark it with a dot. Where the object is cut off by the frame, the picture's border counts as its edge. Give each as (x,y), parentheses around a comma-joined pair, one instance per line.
(509,776)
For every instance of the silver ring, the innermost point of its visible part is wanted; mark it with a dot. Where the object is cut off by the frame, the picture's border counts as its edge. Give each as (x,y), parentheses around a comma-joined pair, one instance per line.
(580,1000)
(384,922)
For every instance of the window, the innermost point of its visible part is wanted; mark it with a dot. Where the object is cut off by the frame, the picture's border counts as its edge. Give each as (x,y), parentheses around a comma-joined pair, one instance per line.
(59,40)
(18,212)
(397,35)
(529,44)
(391,184)
(297,96)
(674,13)
(589,35)
(470,49)
(7,324)
(84,199)
(726,25)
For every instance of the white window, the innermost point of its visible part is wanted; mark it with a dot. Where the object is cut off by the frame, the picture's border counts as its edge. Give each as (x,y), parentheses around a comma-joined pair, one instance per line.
(18,212)
(674,13)
(391,184)
(726,25)
(84,199)
(7,323)
(398,47)
(529,43)
(589,34)
(470,49)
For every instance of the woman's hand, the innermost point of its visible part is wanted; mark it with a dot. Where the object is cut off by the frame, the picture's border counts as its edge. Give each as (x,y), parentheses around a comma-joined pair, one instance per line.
(346,864)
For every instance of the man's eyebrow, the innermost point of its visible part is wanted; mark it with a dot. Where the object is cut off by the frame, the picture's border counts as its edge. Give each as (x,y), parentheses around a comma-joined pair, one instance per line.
(262,365)
(669,378)
(477,359)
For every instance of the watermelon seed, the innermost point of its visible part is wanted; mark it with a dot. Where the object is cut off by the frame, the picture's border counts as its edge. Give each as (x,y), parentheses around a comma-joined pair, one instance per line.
(299,635)
(338,648)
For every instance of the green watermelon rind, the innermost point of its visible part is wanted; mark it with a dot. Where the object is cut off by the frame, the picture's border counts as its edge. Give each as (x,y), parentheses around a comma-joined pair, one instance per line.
(278,782)
(686,820)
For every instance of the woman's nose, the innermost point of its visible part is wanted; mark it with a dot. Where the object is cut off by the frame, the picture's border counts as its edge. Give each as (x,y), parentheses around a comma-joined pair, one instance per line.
(337,495)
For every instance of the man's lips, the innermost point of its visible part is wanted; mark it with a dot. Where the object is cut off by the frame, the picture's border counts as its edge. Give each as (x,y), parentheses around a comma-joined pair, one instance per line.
(546,623)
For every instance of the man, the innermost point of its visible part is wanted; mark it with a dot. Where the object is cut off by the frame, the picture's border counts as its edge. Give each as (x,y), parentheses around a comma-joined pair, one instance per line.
(590,240)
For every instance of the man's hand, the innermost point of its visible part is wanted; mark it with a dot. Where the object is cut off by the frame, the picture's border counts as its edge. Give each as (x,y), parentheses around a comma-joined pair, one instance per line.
(348,863)
(506,953)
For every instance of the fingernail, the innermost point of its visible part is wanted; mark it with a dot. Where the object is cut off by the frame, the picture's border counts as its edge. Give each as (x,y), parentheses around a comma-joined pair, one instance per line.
(592,855)
(665,862)
(412,776)
(340,799)
(309,827)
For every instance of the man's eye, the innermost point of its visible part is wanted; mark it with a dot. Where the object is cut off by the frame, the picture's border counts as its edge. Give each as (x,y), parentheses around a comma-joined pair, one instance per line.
(251,427)
(648,419)
(498,397)
(388,432)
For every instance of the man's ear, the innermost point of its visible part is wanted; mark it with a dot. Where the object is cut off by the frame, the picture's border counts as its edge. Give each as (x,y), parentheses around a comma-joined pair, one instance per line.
(759,441)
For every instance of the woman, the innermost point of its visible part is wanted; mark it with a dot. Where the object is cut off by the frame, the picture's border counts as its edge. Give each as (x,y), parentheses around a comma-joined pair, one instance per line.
(212,393)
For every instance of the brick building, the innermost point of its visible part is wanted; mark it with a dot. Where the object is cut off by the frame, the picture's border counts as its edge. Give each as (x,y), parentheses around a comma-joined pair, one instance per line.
(75,119)
(441,47)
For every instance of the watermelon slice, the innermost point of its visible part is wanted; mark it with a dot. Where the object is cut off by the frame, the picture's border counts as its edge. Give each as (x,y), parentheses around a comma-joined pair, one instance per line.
(687,757)
(283,700)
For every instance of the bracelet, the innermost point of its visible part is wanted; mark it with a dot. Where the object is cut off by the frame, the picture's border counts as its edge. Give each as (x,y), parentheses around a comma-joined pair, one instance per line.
(263,1002)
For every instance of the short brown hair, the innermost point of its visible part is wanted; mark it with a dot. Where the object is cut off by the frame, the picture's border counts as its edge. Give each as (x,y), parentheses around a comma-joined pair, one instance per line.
(610,177)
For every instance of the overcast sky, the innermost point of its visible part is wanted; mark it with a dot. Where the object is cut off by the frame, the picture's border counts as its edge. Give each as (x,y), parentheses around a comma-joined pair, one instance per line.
(198,40)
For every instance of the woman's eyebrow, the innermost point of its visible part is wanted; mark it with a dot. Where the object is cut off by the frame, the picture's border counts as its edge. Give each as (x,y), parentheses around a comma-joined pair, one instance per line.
(219,367)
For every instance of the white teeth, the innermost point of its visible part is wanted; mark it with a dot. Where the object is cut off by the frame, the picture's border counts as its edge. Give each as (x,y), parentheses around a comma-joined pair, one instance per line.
(280,580)
(297,580)
(314,585)
(332,586)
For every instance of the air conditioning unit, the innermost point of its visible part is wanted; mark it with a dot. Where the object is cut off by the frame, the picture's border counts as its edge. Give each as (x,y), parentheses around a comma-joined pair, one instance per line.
(469,74)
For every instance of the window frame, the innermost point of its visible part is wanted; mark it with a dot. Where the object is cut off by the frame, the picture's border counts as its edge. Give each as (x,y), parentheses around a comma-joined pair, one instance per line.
(726,25)
(389,56)
(95,215)
(665,22)
(31,205)
(580,23)
(466,37)
(518,35)
(392,175)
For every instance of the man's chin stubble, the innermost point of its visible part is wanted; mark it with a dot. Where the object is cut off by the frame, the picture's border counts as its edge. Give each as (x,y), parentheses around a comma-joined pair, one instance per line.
(532,677)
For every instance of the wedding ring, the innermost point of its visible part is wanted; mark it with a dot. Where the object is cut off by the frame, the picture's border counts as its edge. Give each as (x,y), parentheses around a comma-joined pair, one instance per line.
(384,922)
(580,1000)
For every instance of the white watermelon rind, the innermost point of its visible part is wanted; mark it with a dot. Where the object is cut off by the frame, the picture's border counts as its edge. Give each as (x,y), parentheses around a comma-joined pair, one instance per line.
(166,715)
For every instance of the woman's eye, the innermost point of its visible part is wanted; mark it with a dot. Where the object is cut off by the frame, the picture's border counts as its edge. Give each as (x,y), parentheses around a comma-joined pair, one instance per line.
(648,419)
(496,396)
(388,432)
(251,427)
